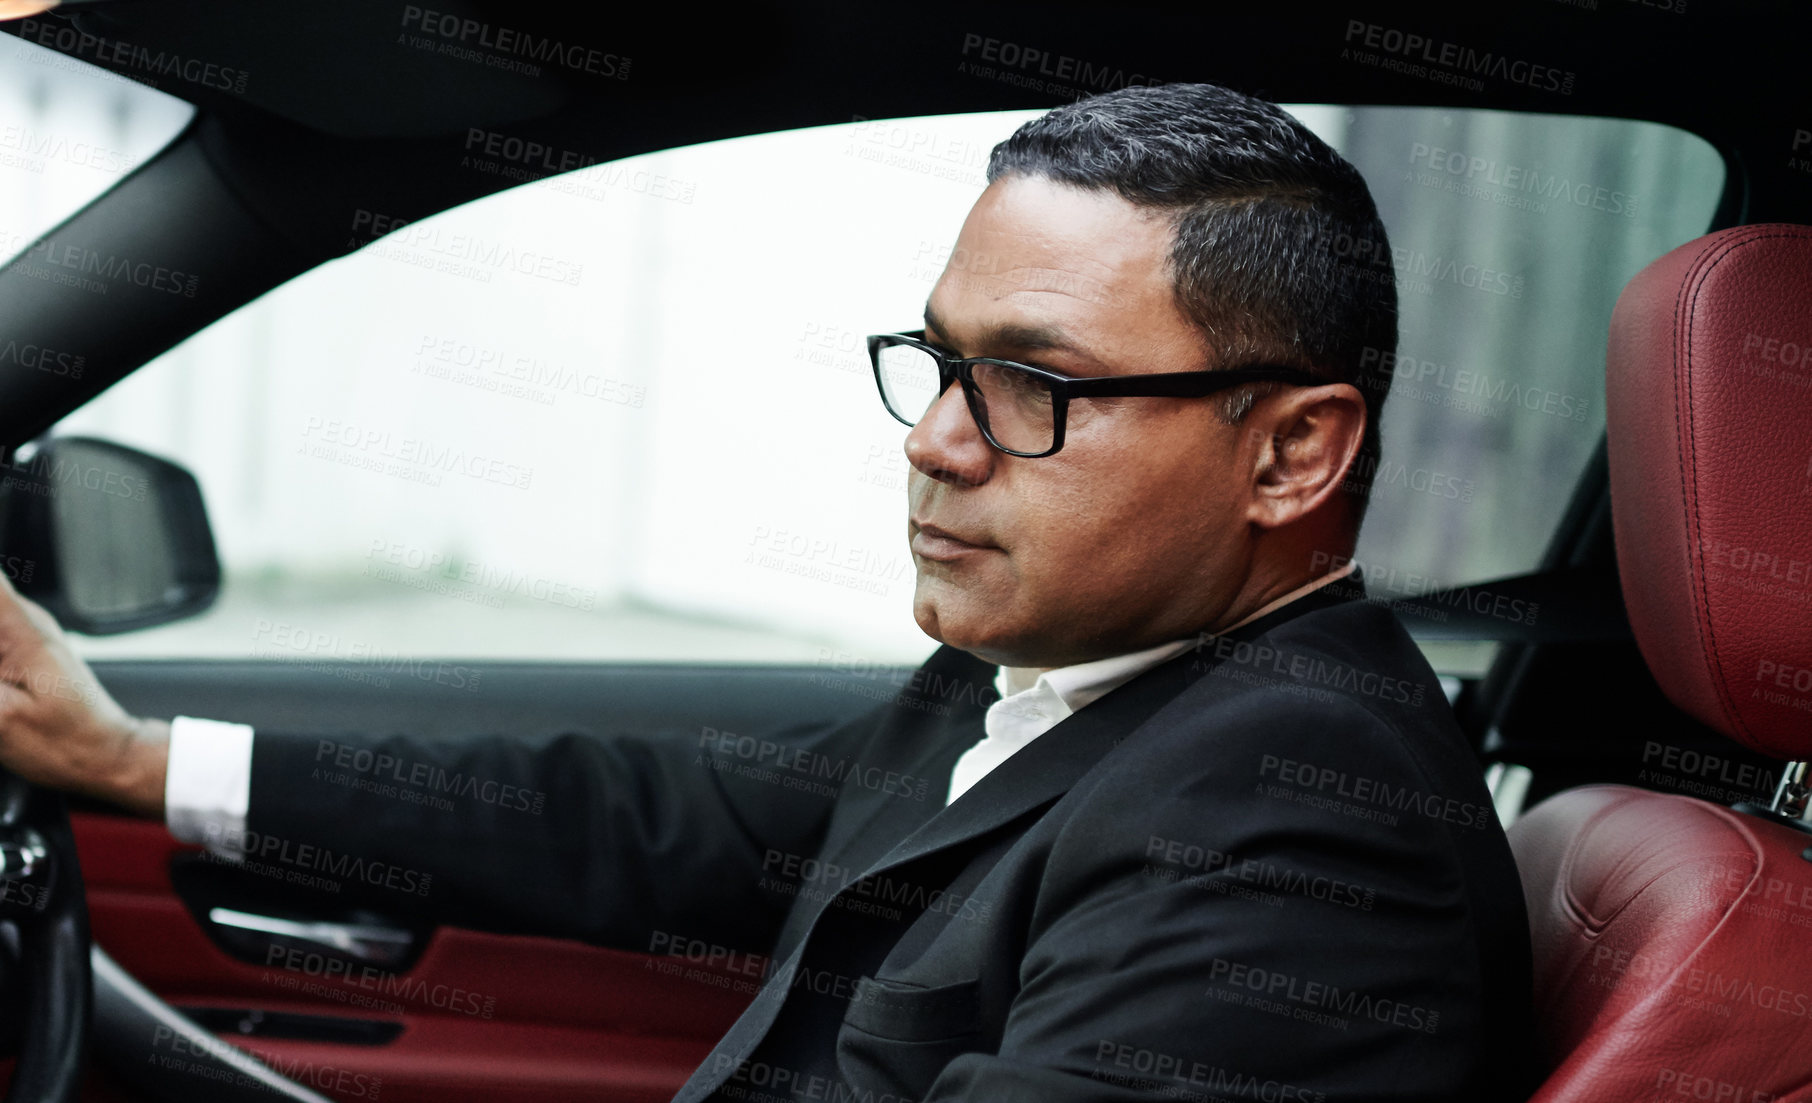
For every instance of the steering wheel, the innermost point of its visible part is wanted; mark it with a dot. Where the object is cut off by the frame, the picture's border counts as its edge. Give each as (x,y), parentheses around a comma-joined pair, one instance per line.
(41,896)
(71,988)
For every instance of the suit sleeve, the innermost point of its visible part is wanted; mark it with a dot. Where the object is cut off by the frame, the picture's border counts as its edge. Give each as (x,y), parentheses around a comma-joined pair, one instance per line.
(615,839)
(1274,910)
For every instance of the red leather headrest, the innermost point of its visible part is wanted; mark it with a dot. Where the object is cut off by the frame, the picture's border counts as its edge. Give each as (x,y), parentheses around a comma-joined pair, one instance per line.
(1708,389)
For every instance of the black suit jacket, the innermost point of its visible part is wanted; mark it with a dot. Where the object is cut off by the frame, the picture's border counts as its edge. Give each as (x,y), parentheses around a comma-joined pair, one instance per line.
(1265,869)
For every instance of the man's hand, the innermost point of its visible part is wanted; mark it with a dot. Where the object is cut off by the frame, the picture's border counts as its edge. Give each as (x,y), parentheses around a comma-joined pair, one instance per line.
(59,728)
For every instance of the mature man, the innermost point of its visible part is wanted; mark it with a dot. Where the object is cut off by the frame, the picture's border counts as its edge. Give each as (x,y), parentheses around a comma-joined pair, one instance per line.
(1220,838)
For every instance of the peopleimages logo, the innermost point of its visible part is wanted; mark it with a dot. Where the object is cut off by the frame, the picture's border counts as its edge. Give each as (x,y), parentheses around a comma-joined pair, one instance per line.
(1792,355)
(801,768)
(1742,776)
(1473,169)
(43,475)
(1209,865)
(1418,376)
(1310,777)
(214,1057)
(526,151)
(267,848)
(507,44)
(33,146)
(1270,983)
(1458,58)
(1186,1078)
(38,358)
(1308,669)
(1030,59)
(328,436)
(428,777)
(473,257)
(111,267)
(119,54)
(441,997)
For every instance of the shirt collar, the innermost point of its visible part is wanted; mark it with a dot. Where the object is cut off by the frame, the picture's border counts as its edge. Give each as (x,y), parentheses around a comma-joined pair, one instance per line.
(1078,685)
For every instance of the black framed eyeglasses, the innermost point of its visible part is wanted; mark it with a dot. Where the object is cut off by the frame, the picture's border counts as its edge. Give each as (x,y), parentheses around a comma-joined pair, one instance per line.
(1021,409)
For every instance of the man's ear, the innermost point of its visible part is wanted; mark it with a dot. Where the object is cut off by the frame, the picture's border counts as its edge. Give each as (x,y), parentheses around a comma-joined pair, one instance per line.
(1307,439)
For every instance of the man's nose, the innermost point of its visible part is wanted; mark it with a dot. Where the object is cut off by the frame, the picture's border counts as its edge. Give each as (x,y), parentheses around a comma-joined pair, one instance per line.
(947,445)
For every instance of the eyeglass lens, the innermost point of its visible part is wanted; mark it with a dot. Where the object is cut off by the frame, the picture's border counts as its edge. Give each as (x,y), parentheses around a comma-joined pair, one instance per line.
(1015,409)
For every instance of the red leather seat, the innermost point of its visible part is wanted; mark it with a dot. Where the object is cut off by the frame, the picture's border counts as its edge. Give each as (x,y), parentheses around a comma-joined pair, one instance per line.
(1673,937)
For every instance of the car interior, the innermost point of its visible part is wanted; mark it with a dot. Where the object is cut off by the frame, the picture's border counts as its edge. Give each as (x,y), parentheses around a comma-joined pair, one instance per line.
(1644,736)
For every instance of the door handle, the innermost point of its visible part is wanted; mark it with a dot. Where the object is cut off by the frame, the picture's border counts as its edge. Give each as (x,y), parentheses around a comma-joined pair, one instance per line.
(367,943)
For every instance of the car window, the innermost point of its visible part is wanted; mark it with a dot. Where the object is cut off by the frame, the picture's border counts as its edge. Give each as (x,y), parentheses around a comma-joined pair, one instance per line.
(625,412)
(68,132)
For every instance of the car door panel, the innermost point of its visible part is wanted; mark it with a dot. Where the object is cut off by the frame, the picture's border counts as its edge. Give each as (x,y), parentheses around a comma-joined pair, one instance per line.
(482,1015)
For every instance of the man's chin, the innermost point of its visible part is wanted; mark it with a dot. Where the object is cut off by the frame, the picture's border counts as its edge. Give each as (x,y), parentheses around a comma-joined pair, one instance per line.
(951,618)
(974,631)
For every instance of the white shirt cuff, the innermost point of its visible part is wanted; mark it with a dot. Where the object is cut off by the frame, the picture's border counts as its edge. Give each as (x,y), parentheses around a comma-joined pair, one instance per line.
(208,784)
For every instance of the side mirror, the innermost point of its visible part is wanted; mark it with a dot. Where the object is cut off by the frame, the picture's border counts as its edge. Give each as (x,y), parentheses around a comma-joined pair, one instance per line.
(105,537)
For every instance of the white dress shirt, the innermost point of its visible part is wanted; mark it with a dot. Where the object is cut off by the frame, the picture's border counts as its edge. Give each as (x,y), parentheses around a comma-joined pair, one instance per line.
(208,783)
(1032,703)
(208,787)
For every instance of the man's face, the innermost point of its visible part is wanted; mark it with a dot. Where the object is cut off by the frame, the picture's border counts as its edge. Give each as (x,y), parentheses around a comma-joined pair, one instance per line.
(1133,533)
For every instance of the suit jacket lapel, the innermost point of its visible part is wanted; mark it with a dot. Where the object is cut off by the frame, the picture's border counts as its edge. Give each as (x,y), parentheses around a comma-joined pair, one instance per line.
(1046,768)
(1052,763)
